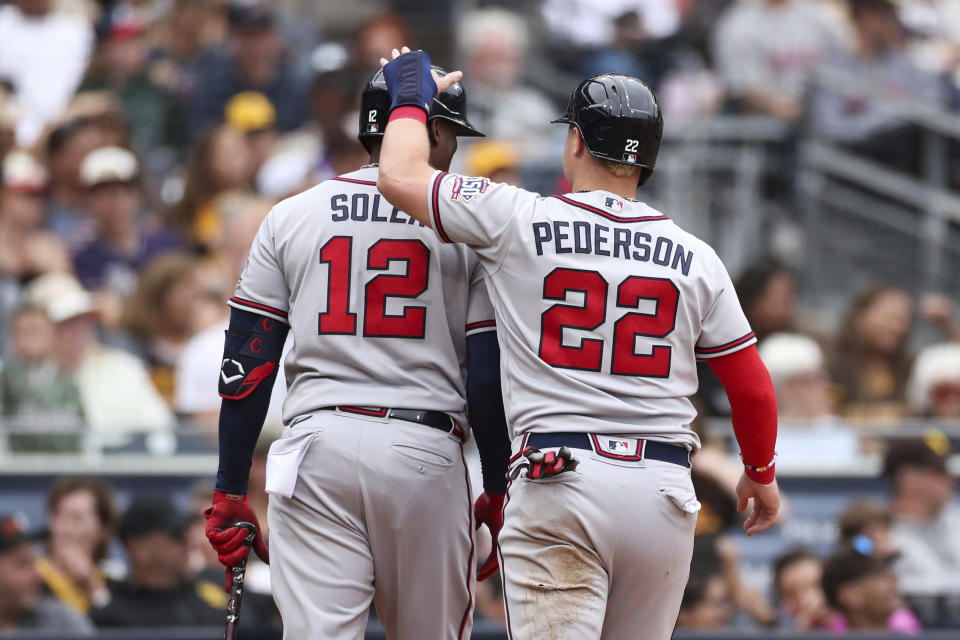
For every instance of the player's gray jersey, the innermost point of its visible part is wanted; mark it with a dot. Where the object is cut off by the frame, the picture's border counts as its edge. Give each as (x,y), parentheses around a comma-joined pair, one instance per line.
(379,308)
(603,306)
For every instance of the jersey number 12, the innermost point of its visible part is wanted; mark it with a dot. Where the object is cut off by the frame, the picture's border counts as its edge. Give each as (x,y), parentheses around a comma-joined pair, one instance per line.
(593,313)
(339,320)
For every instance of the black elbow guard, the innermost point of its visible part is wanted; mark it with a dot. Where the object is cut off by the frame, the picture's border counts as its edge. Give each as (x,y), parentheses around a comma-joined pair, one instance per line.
(251,352)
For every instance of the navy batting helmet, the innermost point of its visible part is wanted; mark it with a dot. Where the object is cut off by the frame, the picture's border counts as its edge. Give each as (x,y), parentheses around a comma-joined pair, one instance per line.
(375,103)
(619,120)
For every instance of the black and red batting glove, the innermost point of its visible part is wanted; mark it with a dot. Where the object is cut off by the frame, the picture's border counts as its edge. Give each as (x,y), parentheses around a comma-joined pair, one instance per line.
(540,465)
(488,510)
(227,538)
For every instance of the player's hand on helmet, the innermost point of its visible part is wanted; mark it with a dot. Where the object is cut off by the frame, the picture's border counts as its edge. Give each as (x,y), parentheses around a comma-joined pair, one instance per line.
(540,465)
(442,83)
(227,538)
(488,510)
(766,504)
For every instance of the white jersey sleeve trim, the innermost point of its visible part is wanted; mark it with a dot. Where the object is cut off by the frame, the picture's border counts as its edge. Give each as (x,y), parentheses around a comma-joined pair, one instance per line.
(259,308)
(705,353)
(433,205)
(483,326)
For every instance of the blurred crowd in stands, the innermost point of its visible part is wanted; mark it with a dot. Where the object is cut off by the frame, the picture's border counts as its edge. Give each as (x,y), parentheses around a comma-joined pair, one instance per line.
(142,143)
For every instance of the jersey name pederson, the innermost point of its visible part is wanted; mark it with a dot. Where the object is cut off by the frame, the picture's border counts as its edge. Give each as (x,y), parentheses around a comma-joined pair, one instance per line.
(562,236)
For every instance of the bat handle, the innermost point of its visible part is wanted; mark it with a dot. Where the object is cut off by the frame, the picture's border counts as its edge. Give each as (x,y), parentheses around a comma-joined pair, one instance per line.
(237,573)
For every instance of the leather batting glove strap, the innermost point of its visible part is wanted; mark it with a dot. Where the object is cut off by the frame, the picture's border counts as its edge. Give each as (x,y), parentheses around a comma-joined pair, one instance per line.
(540,465)
(227,538)
(409,81)
(488,510)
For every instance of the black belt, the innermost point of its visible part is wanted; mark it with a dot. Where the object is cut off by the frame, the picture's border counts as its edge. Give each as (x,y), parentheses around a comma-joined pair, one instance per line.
(677,454)
(432,419)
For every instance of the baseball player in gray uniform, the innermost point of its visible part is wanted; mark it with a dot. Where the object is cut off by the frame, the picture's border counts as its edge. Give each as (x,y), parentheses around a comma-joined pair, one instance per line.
(603,306)
(370,497)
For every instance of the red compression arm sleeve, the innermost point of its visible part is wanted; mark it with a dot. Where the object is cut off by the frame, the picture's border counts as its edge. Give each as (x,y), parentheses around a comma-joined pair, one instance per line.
(753,407)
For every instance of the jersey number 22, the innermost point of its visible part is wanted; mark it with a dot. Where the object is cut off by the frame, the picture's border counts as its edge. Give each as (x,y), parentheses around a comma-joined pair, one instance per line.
(593,313)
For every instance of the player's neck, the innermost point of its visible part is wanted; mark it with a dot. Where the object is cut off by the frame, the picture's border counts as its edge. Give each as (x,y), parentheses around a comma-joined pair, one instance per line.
(623,186)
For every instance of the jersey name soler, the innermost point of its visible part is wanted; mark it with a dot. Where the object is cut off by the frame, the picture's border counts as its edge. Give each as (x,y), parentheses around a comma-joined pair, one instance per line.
(379,309)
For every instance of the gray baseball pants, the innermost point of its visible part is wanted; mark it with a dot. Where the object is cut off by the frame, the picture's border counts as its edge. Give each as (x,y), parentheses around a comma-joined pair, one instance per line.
(600,552)
(378,510)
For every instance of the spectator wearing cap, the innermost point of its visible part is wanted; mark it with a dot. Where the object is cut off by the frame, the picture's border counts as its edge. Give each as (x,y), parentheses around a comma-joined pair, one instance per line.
(38,398)
(810,429)
(252,114)
(25,248)
(22,605)
(878,59)
(44,54)
(110,264)
(933,388)
(926,520)
(766,52)
(67,146)
(797,576)
(863,588)
(799,375)
(159,591)
(116,395)
(253,59)
(120,65)
(80,521)
(494,159)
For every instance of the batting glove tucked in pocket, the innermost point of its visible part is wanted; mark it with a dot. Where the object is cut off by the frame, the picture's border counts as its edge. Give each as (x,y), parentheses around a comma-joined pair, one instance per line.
(542,465)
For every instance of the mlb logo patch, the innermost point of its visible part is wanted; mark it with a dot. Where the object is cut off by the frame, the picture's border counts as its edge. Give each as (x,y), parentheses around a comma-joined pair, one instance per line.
(613,203)
(618,446)
(467,189)
(630,158)
(373,128)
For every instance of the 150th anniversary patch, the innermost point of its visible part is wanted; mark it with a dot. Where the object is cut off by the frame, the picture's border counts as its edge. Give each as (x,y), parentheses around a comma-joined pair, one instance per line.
(467,189)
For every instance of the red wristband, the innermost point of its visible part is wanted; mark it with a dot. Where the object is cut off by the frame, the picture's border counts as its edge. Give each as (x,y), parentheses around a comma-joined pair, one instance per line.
(414,113)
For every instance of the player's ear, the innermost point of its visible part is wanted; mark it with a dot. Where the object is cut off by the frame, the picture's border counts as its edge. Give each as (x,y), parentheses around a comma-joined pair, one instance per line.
(576,141)
(433,131)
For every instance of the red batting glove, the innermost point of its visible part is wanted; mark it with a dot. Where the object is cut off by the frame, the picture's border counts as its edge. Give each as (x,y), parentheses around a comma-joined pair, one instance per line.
(225,537)
(489,511)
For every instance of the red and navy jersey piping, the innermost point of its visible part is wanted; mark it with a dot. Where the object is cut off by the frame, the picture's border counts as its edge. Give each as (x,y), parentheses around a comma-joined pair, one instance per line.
(369,183)
(606,214)
(723,347)
(434,205)
(258,307)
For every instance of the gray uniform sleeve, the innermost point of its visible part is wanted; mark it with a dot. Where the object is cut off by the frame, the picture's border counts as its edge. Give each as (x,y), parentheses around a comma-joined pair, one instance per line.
(480,316)
(262,288)
(477,213)
(724,328)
